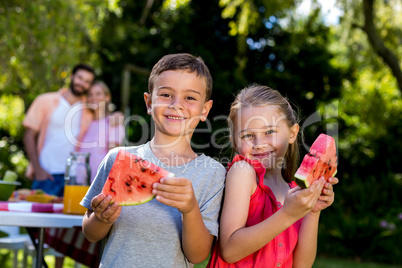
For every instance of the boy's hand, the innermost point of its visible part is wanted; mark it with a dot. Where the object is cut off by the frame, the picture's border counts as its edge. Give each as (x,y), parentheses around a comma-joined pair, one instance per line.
(327,196)
(176,192)
(105,212)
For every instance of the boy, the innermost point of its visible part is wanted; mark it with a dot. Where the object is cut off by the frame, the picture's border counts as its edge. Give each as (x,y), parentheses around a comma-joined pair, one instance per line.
(177,227)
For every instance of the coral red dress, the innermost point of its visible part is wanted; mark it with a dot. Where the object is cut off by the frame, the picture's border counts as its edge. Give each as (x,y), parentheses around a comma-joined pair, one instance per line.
(279,251)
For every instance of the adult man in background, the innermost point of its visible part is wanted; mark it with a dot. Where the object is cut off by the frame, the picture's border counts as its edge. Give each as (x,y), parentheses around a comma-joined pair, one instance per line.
(50,138)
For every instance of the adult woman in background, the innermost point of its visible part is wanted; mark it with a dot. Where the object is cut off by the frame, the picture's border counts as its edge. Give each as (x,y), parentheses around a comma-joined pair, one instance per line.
(106,131)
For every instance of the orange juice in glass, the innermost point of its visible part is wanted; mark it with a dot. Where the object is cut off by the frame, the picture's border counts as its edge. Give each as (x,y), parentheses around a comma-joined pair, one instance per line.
(77,182)
(73,194)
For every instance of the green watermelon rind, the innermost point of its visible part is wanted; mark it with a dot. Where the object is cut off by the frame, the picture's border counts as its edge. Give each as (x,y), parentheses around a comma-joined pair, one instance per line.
(136,203)
(301,180)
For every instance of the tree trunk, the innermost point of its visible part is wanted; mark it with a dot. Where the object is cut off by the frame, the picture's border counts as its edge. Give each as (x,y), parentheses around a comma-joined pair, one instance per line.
(385,53)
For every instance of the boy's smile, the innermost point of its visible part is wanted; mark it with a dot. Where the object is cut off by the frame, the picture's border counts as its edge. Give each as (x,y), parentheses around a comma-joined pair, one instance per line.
(177,103)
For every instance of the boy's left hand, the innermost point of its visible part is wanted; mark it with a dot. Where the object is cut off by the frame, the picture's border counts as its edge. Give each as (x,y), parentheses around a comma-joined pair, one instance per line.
(176,192)
(327,196)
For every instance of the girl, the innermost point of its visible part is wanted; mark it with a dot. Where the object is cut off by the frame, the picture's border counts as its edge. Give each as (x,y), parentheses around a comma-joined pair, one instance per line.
(267,221)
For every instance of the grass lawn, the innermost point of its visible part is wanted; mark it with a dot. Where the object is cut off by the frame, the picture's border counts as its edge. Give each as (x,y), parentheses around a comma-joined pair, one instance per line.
(6,261)
(334,263)
(339,263)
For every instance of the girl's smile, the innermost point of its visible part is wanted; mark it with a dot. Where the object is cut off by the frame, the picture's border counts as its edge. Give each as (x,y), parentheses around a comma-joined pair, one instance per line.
(97,95)
(262,155)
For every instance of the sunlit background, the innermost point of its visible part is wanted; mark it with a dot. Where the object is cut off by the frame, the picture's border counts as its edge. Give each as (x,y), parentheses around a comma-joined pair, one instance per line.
(338,61)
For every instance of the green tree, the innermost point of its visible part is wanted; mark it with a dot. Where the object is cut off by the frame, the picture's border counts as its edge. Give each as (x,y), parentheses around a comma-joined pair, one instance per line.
(366,219)
(380,21)
(41,40)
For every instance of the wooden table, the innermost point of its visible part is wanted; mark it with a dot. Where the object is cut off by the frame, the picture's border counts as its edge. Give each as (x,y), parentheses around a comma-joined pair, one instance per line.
(41,221)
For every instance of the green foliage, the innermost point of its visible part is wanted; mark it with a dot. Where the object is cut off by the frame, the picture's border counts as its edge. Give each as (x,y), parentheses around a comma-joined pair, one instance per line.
(41,40)
(295,60)
(365,221)
(245,15)
(378,23)
(13,158)
(11,114)
(387,19)
(370,173)
(360,227)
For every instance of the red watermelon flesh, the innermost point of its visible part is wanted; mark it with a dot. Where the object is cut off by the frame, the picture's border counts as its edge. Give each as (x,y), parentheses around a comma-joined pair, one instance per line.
(130,179)
(324,148)
(321,161)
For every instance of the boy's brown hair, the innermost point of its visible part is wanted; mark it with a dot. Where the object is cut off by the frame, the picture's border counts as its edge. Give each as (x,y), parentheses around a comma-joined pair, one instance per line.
(182,61)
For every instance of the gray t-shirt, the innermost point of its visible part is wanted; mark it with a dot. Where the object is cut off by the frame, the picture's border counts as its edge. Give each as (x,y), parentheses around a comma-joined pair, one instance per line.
(149,235)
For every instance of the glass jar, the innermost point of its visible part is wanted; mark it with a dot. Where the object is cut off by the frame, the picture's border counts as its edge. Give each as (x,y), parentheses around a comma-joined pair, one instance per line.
(77,177)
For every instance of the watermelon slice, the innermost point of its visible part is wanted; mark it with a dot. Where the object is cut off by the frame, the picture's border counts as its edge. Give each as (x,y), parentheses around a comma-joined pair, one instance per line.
(321,161)
(130,179)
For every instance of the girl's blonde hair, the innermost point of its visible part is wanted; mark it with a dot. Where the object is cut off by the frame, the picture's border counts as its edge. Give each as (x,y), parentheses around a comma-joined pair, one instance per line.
(103,86)
(256,96)
(109,106)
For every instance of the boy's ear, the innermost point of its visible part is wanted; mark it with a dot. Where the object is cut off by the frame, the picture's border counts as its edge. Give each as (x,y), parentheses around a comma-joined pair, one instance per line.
(206,109)
(294,130)
(148,102)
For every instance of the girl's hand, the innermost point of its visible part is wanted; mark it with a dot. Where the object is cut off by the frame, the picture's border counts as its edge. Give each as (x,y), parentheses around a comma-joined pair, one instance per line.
(299,202)
(327,196)
(105,212)
(176,192)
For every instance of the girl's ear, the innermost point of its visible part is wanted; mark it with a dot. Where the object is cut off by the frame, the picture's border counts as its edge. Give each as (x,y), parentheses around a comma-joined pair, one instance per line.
(148,102)
(108,99)
(233,144)
(294,130)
